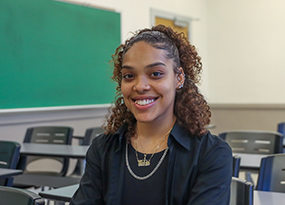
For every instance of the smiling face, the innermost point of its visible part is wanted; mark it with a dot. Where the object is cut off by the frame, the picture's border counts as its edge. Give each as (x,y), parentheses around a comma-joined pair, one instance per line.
(149,83)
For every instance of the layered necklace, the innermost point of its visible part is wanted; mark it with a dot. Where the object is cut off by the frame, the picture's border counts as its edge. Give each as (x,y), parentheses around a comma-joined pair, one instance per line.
(145,161)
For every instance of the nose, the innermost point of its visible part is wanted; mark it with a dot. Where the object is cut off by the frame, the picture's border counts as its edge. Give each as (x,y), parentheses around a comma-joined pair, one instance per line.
(141,84)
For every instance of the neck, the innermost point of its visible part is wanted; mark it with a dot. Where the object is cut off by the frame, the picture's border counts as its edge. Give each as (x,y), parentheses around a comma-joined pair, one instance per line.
(150,135)
(154,130)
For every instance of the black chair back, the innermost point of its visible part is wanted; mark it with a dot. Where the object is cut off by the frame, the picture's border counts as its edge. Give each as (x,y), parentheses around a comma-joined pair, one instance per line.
(9,156)
(90,134)
(254,142)
(48,135)
(236,166)
(241,192)
(281,129)
(12,196)
(272,174)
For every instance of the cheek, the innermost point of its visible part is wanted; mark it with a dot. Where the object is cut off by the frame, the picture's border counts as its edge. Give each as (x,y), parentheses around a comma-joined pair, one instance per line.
(125,89)
(125,95)
(168,86)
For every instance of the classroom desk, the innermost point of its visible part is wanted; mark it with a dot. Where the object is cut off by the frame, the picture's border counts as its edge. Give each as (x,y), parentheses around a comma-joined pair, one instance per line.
(6,173)
(45,180)
(250,160)
(53,150)
(60,194)
(259,198)
(50,150)
(268,198)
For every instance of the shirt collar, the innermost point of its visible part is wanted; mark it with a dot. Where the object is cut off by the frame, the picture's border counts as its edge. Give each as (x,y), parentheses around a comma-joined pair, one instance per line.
(181,135)
(120,134)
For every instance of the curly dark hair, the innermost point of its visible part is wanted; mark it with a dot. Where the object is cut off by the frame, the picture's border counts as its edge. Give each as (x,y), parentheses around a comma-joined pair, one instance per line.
(190,108)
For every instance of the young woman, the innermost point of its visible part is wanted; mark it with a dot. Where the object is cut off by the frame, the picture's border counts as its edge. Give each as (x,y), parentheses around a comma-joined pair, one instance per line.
(156,149)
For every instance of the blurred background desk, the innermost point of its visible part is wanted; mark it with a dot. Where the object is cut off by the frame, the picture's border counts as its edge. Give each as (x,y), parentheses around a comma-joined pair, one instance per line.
(46,181)
(6,173)
(266,198)
(61,194)
(51,150)
(250,160)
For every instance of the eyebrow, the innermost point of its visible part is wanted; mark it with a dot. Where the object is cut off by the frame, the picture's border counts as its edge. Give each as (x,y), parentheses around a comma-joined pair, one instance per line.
(155,64)
(148,66)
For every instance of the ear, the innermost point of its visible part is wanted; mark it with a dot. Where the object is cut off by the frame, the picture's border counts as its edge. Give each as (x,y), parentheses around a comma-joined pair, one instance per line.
(180,78)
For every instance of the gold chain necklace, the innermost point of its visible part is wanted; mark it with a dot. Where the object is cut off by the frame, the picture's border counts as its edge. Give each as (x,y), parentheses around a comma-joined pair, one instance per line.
(146,162)
(151,173)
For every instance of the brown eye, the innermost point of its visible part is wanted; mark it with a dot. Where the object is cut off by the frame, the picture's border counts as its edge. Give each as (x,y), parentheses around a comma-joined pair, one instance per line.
(156,74)
(128,76)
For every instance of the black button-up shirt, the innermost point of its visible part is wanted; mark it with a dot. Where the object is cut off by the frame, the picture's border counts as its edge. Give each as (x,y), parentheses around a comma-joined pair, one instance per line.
(199,170)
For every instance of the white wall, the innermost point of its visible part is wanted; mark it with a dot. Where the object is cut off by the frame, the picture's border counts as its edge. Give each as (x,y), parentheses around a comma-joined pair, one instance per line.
(13,125)
(246,48)
(136,14)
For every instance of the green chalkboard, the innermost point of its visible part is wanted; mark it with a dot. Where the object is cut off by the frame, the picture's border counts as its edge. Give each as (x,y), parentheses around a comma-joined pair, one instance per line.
(55,54)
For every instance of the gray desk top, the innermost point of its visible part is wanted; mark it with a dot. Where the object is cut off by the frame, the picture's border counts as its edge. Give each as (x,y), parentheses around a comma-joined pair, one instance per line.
(52,150)
(268,198)
(250,160)
(60,194)
(260,197)
(5,173)
(45,180)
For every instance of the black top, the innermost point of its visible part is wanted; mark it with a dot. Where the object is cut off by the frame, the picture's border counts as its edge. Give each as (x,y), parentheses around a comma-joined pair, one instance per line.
(150,190)
(199,170)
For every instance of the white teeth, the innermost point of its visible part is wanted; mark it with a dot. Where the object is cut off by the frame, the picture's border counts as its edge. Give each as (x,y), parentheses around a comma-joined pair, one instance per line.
(144,101)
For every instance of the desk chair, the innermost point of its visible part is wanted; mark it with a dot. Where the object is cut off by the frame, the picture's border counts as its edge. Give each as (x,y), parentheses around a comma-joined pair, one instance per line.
(272,174)
(281,129)
(241,192)
(89,135)
(12,196)
(236,166)
(9,156)
(45,135)
(253,142)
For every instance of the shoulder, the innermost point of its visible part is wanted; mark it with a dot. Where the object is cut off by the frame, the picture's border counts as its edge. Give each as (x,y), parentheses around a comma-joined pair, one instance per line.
(104,141)
(203,143)
(214,146)
(209,140)
(108,142)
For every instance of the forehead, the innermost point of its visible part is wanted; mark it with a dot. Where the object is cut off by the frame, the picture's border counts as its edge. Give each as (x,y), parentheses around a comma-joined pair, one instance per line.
(143,52)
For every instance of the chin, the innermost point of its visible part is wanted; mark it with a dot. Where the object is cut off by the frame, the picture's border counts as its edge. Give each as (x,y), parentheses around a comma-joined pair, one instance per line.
(142,119)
